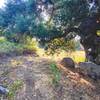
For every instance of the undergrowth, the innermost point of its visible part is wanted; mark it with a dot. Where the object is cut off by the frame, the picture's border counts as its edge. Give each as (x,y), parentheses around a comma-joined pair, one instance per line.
(9,47)
(17,85)
(56,73)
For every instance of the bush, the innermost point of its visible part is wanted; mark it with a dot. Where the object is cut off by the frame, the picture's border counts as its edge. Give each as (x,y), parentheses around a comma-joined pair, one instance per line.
(8,47)
(56,45)
(30,44)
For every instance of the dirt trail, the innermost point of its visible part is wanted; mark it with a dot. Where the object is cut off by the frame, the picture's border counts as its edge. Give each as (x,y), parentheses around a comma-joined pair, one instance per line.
(37,79)
(33,72)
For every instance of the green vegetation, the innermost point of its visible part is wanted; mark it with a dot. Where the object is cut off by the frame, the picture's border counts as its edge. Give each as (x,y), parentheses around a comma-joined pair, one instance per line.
(23,18)
(48,27)
(55,22)
(57,45)
(26,26)
(56,73)
(7,47)
(17,85)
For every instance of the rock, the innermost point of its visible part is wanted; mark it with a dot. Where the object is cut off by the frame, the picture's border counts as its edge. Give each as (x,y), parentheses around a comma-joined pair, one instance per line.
(90,69)
(68,62)
(93,76)
(3,90)
(97,60)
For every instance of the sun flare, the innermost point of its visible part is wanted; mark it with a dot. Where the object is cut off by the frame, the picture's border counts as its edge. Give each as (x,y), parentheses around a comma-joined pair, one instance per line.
(2,3)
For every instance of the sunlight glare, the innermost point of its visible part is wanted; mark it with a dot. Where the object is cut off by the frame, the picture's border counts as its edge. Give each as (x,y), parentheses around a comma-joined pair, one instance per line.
(2,3)
(45,16)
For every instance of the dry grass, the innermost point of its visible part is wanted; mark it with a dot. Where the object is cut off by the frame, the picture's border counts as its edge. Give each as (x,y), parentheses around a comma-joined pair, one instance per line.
(77,56)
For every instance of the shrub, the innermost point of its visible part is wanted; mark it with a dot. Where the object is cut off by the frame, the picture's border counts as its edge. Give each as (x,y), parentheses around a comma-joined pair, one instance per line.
(30,44)
(56,45)
(8,47)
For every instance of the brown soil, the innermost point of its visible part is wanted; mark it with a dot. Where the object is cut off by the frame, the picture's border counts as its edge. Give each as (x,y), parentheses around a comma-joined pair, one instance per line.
(37,79)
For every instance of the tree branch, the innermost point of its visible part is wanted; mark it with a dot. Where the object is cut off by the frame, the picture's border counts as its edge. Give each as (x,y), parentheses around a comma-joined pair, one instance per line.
(64,35)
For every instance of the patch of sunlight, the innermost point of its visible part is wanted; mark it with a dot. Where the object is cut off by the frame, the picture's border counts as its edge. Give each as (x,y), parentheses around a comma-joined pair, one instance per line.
(77,56)
(98,32)
(14,63)
(2,39)
(75,77)
(40,51)
(85,82)
(30,58)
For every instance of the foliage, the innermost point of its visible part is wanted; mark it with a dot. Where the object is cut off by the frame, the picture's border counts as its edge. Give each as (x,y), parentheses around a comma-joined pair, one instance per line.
(30,44)
(17,18)
(23,17)
(71,12)
(51,19)
(55,72)
(56,45)
(9,47)
(14,88)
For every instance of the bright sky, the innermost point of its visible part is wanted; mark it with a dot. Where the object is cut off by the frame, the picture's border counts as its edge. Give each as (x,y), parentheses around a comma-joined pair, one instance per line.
(2,3)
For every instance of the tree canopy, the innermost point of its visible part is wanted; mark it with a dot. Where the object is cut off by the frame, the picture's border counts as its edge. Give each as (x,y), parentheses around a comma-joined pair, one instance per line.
(50,19)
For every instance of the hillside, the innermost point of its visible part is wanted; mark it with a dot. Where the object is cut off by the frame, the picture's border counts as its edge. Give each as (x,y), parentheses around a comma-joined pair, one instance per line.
(29,77)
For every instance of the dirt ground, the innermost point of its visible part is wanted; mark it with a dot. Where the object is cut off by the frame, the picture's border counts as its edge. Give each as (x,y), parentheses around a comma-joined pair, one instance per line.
(36,76)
